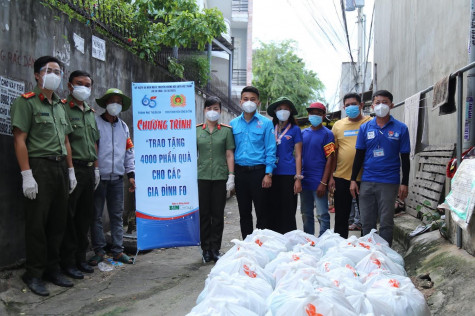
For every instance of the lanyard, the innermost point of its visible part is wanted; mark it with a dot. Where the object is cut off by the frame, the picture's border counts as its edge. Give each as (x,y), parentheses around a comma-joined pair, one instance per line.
(278,139)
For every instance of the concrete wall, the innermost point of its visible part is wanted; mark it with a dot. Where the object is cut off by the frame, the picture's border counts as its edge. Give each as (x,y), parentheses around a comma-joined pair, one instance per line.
(417,43)
(30,30)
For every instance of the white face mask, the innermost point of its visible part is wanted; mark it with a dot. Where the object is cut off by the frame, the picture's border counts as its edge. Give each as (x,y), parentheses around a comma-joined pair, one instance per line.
(51,81)
(381,110)
(114,109)
(282,115)
(81,93)
(249,106)
(213,116)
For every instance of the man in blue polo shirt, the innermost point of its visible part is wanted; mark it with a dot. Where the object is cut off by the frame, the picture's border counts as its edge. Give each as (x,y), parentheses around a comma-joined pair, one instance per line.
(382,147)
(254,159)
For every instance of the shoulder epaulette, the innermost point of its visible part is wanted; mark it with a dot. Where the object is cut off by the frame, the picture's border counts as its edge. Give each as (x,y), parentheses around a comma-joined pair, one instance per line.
(199,124)
(63,101)
(225,125)
(28,95)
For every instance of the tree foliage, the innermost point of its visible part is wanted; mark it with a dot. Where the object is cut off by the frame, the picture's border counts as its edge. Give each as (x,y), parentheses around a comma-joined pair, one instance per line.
(278,71)
(153,24)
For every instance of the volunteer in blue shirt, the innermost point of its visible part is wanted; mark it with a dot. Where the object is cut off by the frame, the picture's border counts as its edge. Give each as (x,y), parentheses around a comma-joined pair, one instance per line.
(318,154)
(382,146)
(287,176)
(254,160)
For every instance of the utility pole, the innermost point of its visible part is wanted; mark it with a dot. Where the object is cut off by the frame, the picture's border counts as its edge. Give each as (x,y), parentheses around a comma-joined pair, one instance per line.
(361,50)
(469,128)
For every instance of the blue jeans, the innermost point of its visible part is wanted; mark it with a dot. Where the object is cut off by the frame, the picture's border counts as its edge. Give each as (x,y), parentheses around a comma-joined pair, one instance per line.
(111,191)
(309,200)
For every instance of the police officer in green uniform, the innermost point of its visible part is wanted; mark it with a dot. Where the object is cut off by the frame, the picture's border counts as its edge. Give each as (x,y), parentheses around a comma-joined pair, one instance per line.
(215,176)
(40,129)
(84,153)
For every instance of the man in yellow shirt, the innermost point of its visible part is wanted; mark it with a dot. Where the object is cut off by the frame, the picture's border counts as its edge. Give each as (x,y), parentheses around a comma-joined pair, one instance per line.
(345,132)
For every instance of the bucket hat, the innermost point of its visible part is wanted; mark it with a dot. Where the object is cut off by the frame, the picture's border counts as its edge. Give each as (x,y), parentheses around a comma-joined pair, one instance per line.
(126,101)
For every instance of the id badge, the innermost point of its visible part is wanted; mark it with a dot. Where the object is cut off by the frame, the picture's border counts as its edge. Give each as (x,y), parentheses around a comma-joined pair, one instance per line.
(378,152)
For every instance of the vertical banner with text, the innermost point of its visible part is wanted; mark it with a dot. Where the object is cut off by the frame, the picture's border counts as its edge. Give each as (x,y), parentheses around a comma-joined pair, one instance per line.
(165,165)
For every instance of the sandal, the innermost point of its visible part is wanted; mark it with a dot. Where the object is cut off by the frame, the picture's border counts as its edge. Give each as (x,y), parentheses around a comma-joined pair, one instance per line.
(94,260)
(123,258)
(354,227)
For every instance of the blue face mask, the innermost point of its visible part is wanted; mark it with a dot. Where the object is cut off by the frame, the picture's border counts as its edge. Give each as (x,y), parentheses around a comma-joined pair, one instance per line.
(352,111)
(315,120)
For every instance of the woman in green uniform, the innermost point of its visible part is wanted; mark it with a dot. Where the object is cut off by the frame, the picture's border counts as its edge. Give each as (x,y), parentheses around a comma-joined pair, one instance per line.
(215,176)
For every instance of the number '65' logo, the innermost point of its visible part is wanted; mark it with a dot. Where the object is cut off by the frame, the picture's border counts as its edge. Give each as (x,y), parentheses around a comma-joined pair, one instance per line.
(149,102)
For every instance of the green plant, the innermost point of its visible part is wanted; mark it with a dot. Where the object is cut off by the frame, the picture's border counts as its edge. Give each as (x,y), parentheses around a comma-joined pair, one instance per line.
(175,68)
(197,69)
(152,24)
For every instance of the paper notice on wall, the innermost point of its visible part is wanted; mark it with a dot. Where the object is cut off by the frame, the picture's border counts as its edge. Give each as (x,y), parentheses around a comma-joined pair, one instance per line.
(78,42)
(9,91)
(98,48)
(461,199)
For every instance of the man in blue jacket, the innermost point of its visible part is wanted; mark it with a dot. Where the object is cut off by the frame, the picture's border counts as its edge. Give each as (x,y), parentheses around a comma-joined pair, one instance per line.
(254,159)
(115,157)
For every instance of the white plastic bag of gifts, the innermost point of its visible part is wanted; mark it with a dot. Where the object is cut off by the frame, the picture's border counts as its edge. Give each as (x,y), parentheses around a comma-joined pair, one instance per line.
(321,301)
(235,293)
(295,267)
(224,284)
(355,251)
(299,280)
(389,297)
(333,261)
(374,238)
(309,249)
(243,249)
(328,240)
(383,246)
(219,307)
(243,266)
(387,276)
(377,260)
(290,256)
(298,237)
(270,242)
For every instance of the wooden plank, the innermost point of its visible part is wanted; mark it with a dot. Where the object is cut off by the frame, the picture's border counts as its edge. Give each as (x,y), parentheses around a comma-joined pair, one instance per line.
(437,154)
(430,176)
(430,195)
(411,211)
(434,168)
(434,160)
(422,200)
(428,185)
(440,147)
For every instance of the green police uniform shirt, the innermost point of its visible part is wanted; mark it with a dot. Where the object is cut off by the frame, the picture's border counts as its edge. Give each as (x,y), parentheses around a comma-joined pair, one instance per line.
(212,151)
(85,132)
(46,124)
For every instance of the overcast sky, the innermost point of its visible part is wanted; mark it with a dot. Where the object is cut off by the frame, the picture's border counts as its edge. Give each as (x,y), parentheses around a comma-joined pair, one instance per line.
(322,51)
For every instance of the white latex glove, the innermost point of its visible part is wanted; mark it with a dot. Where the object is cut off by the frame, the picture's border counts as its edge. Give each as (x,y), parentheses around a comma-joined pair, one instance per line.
(230,183)
(30,187)
(97,177)
(72,180)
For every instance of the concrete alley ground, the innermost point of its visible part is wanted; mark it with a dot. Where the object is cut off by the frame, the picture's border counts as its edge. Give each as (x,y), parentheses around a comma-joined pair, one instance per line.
(168,281)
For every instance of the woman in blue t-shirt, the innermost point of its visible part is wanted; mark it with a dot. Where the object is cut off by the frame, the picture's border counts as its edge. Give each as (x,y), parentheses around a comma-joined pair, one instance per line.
(287,176)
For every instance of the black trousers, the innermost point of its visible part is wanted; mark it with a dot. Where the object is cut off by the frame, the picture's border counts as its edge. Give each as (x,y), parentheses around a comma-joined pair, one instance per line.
(45,220)
(212,200)
(80,212)
(281,203)
(343,199)
(248,191)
